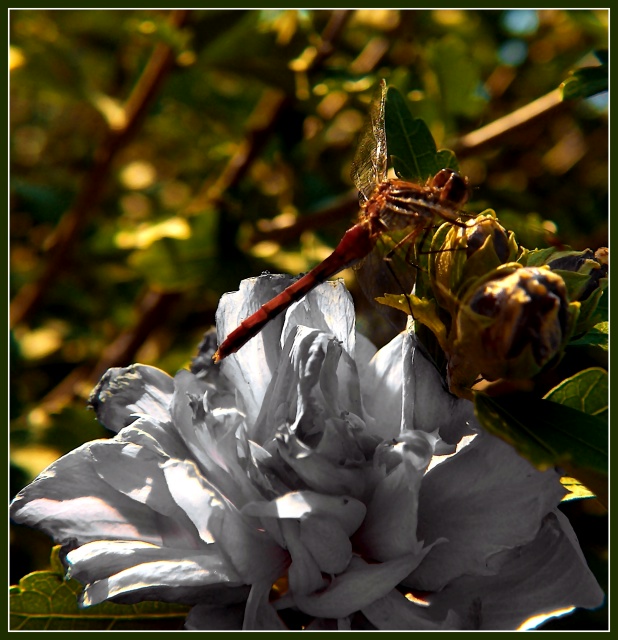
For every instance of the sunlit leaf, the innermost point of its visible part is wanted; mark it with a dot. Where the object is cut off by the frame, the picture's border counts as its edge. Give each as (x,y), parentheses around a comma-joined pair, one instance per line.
(596,337)
(586,391)
(576,489)
(44,601)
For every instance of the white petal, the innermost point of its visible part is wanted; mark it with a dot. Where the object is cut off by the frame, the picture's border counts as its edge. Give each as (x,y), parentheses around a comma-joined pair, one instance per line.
(259,613)
(382,383)
(347,511)
(192,494)
(327,542)
(251,368)
(181,574)
(428,404)
(304,575)
(70,502)
(389,530)
(251,550)
(101,559)
(328,308)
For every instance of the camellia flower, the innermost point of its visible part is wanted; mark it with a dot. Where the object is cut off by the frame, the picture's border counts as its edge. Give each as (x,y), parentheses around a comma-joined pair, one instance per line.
(307,481)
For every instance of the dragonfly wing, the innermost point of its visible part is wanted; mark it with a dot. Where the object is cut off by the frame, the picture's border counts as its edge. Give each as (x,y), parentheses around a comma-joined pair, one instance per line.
(370,160)
(388,270)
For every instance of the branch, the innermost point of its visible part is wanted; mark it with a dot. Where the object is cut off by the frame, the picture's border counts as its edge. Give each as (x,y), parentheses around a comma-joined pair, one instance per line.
(494,133)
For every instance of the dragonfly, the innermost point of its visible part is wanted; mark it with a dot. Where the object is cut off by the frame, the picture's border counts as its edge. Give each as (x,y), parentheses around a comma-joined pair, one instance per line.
(387,205)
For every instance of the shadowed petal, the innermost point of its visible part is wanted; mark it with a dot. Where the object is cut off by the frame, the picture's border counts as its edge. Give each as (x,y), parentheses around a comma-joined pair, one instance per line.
(497,502)
(389,530)
(360,585)
(396,613)
(546,575)
(428,404)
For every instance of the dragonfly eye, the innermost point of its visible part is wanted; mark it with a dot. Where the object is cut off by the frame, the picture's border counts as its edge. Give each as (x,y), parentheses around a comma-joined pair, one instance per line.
(441,178)
(453,187)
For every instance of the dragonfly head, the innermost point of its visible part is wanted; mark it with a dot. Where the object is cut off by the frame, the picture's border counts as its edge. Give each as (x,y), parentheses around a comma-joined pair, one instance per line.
(453,187)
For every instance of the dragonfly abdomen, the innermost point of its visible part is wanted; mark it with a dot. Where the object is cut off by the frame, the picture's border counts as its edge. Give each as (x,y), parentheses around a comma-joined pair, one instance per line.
(356,243)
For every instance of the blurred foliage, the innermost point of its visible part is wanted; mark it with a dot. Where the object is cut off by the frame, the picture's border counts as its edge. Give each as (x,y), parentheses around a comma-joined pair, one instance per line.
(141,191)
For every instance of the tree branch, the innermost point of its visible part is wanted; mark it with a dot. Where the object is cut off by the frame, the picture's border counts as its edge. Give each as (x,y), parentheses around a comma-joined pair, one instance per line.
(494,133)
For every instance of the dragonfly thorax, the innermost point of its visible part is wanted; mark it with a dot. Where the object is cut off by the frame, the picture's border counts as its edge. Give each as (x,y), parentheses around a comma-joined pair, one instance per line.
(400,204)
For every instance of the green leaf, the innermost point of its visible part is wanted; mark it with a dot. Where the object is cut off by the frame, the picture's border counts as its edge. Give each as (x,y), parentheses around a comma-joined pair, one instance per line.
(586,82)
(410,144)
(44,601)
(545,432)
(586,391)
(596,337)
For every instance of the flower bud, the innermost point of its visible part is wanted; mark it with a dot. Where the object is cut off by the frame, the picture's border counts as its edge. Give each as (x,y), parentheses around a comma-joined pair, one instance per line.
(513,323)
(585,274)
(585,263)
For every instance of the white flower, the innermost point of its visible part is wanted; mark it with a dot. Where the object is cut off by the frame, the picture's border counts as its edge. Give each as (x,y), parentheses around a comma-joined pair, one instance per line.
(307,482)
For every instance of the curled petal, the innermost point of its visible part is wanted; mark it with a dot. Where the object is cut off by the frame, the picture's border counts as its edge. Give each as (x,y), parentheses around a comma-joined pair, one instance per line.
(348,512)
(96,561)
(389,530)
(329,309)
(259,613)
(356,588)
(327,542)
(179,579)
(124,393)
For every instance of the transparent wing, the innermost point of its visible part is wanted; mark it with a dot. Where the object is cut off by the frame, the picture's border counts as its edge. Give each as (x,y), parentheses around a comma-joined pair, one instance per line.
(389,268)
(370,160)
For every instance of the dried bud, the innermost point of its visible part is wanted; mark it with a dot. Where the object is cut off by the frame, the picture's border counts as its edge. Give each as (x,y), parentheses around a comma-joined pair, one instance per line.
(462,254)
(513,323)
